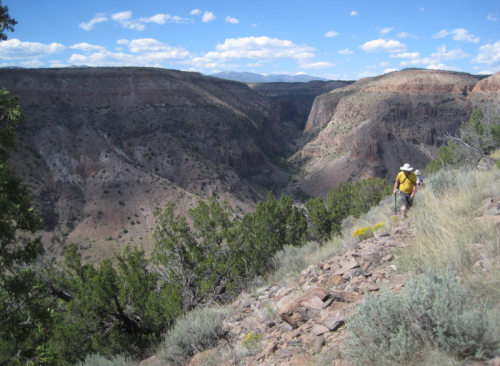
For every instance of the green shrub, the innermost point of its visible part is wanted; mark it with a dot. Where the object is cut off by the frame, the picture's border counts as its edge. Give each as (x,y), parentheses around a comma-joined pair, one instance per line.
(195,332)
(291,260)
(431,313)
(98,360)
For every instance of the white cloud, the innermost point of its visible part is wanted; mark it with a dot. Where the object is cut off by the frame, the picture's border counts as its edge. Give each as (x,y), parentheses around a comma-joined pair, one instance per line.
(259,47)
(411,55)
(384,31)
(353,13)
(317,65)
(232,20)
(417,61)
(434,61)
(99,18)
(386,71)
(164,18)
(488,54)
(195,12)
(463,35)
(459,34)
(151,48)
(141,52)
(124,18)
(331,34)
(14,49)
(382,45)
(346,51)
(441,34)
(57,63)
(485,72)
(492,17)
(442,67)
(443,54)
(367,74)
(86,47)
(208,16)
(406,35)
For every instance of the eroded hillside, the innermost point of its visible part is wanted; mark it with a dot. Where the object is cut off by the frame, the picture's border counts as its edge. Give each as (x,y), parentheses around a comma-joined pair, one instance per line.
(371,127)
(102,148)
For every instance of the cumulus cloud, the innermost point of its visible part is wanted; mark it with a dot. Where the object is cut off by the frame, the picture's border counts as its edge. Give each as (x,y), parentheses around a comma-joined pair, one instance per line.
(317,65)
(488,54)
(99,18)
(152,48)
(164,18)
(86,47)
(259,48)
(442,67)
(492,17)
(410,55)
(441,34)
(195,12)
(384,31)
(353,13)
(406,35)
(435,61)
(14,49)
(232,20)
(386,71)
(346,51)
(124,19)
(331,34)
(208,16)
(443,54)
(485,72)
(463,35)
(382,45)
(459,34)
(141,52)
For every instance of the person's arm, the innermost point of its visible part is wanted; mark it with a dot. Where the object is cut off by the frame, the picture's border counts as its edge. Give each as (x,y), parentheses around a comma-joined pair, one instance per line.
(412,196)
(396,186)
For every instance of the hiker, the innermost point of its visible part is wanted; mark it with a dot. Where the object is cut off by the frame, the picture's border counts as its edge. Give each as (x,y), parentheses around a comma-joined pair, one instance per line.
(420,180)
(406,182)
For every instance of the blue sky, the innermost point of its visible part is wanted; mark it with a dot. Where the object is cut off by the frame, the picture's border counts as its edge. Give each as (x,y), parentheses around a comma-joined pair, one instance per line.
(333,39)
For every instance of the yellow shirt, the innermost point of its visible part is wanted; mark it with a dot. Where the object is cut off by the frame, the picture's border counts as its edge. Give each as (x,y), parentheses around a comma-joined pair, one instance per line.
(406,183)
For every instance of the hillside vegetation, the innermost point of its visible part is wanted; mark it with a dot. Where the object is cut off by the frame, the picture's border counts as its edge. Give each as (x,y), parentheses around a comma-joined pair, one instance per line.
(447,314)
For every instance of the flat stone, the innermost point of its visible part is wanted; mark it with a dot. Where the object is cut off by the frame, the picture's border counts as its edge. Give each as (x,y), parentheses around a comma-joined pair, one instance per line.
(314,304)
(312,343)
(334,323)
(319,329)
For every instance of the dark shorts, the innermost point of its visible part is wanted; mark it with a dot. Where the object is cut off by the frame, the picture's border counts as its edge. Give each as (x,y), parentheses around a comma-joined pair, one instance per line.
(404,199)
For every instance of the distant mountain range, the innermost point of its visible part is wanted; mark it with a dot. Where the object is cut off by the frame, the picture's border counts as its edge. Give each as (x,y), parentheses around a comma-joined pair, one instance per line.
(250,77)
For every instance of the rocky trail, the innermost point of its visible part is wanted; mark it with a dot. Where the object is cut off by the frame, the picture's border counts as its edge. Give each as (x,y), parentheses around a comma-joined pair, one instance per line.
(302,321)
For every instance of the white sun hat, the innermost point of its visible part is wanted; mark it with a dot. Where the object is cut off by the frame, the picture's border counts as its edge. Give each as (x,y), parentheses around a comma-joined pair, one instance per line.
(417,172)
(407,167)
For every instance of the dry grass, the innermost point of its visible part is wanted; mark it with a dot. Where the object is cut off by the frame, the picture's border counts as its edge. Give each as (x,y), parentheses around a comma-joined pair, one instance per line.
(449,234)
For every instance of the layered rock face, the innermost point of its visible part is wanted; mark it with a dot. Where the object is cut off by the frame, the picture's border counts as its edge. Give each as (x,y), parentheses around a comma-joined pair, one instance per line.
(372,127)
(103,148)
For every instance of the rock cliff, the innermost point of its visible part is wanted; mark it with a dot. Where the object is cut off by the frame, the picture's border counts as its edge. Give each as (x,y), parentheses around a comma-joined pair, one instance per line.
(102,148)
(372,127)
